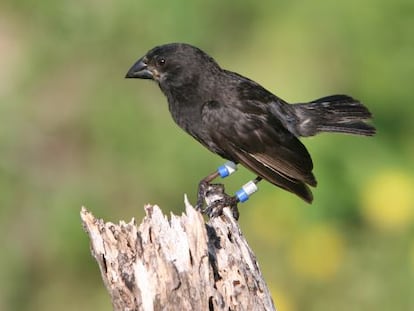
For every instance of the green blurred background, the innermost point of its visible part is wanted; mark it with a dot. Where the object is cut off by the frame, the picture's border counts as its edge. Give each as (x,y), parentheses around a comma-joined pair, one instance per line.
(74,132)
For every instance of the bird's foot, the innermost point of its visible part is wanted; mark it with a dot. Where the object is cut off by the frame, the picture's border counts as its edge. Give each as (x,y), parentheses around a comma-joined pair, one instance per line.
(201,194)
(214,196)
(216,199)
(223,171)
(215,209)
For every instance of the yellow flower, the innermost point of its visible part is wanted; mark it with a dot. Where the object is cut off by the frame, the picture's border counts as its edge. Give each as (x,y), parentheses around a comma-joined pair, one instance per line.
(317,253)
(388,201)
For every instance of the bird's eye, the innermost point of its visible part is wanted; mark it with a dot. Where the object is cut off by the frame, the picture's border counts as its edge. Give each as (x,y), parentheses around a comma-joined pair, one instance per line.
(161,61)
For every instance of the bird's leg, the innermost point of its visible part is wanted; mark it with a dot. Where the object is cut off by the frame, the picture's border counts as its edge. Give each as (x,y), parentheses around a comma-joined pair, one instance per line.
(215,207)
(205,186)
(202,189)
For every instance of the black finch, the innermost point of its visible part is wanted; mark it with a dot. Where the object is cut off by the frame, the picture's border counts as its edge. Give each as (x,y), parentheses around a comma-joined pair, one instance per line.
(243,122)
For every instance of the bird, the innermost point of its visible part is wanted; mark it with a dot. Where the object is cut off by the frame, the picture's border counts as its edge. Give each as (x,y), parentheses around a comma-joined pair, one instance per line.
(244,123)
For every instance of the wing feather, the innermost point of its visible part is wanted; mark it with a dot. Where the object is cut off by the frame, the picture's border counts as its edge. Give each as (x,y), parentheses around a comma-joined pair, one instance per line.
(274,176)
(245,131)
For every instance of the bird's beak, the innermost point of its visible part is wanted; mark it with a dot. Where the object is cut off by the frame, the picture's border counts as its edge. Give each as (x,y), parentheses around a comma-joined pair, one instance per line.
(139,70)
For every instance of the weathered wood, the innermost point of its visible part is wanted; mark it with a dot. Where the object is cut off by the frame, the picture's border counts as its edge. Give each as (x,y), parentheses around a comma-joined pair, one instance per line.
(177,264)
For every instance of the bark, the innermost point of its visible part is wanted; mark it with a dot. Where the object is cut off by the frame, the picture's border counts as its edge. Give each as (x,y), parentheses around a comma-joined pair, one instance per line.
(177,264)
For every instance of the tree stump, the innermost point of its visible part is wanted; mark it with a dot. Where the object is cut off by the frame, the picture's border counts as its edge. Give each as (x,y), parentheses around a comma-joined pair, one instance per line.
(177,264)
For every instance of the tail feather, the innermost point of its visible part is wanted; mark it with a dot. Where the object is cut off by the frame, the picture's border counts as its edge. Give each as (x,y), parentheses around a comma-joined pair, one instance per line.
(336,113)
(358,128)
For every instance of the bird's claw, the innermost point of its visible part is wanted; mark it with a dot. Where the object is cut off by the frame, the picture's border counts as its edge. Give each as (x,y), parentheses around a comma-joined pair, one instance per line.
(215,208)
(201,194)
(216,199)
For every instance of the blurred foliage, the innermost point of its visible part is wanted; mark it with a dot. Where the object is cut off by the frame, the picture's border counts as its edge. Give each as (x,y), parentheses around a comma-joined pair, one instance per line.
(73,132)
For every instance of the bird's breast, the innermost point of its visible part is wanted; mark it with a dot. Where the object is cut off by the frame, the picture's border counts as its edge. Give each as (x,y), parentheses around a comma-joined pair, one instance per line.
(186,114)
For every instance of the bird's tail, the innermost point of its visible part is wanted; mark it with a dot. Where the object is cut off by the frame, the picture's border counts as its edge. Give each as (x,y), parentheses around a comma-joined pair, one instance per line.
(336,113)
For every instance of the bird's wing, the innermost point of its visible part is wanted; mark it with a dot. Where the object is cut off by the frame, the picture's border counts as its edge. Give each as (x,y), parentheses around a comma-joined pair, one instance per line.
(247,133)
(273,174)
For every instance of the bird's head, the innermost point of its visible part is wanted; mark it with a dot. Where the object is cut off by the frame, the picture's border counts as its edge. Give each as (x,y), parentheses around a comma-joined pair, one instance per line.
(174,63)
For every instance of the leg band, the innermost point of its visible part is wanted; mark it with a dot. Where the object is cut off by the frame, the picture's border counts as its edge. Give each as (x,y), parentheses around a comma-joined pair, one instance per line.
(246,191)
(227,169)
